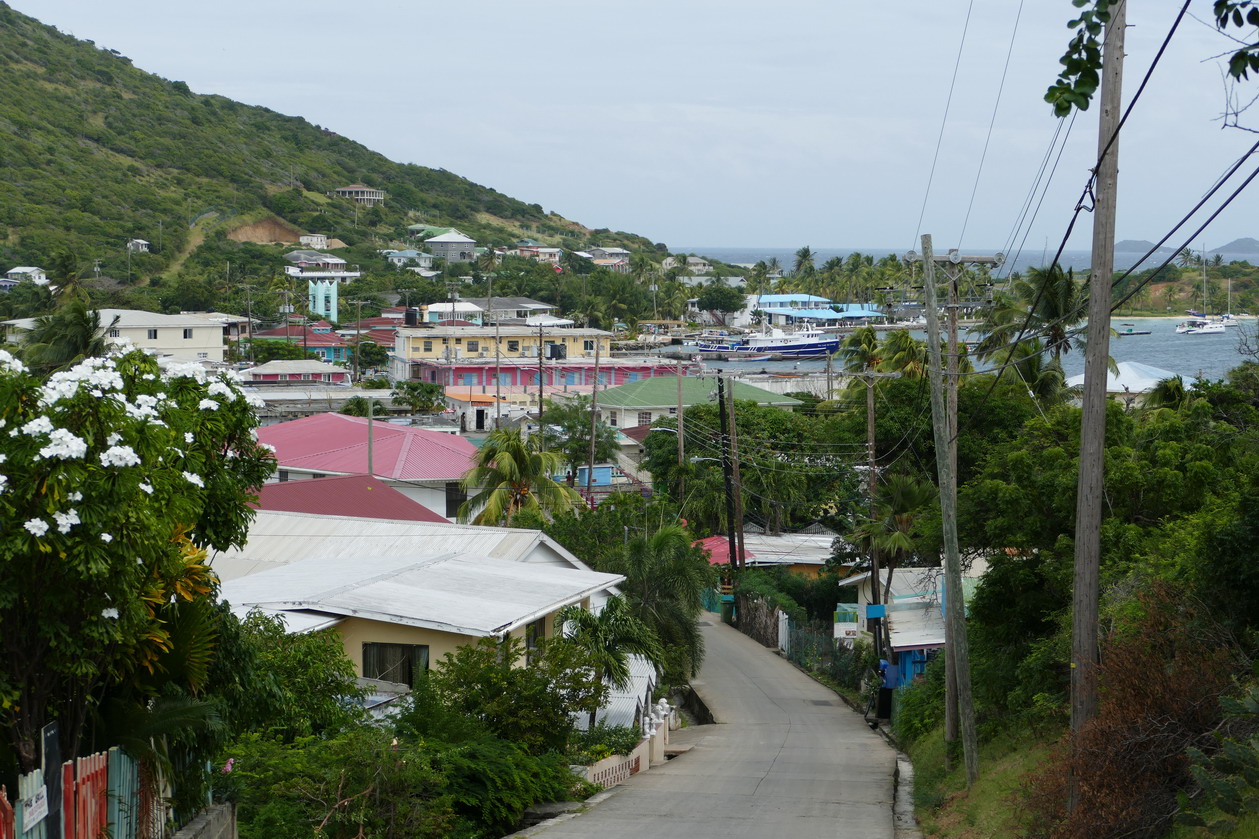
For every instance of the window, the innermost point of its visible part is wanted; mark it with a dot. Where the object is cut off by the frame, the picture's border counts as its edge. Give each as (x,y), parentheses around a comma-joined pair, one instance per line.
(458,340)
(114,333)
(589,346)
(203,355)
(612,418)
(513,346)
(152,334)
(672,411)
(644,417)
(428,346)
(474,346)
(187,334)
(534,633)
(455,496)
(395,662)
(284,475)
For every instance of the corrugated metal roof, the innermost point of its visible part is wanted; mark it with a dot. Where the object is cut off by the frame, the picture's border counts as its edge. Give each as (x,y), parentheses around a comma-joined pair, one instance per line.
(281,538)
(359,496)
(661,391)
(464,593)
(337,443)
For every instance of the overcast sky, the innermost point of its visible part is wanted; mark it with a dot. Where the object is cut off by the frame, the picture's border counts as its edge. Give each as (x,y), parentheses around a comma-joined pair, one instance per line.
(715,122)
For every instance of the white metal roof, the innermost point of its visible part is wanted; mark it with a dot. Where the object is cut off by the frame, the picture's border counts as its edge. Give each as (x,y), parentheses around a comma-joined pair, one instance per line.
(279,538)
(463,593)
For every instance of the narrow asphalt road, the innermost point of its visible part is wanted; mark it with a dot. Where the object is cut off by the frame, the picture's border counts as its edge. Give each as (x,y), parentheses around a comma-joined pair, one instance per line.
(786,758)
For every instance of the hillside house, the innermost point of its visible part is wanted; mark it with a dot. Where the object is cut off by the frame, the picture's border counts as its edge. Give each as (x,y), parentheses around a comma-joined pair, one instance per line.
(137,246)
(27,273)
(693,264)
(315,241)
(609,253)
(362,194)
(296,372)
(452,247)
(510,308)
(318,338)
(409,256)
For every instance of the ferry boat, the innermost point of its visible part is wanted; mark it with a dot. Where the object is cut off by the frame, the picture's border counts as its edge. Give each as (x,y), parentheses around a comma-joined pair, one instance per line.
(808,342)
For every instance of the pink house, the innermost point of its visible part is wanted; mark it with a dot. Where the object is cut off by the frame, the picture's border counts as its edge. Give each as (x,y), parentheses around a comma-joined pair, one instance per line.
(297,370)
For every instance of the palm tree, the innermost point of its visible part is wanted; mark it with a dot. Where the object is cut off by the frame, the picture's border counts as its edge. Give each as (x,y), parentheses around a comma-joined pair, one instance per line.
(665,577)
(860,350)
(513,474)
(609,638)
(65,337)
(419,397)
(804,262)
(1169,393)
(1049,301)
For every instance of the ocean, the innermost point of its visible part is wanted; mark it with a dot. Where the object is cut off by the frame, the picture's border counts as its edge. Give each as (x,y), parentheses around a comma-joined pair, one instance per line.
(1189,356)
(1078,260)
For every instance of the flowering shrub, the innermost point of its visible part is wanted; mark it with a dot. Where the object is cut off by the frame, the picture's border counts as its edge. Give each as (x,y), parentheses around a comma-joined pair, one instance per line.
(115,477)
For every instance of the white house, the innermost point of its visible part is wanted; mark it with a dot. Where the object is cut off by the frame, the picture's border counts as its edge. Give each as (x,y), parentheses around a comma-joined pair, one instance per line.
(317,241)
(28,273)
(609,253)
(180,337)
(137,246)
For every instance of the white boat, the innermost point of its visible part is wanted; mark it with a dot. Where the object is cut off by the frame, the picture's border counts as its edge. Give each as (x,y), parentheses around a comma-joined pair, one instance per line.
(1200,327)
(803,343)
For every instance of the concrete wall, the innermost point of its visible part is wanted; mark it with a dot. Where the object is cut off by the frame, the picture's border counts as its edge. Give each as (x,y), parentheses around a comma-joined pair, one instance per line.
(218,822)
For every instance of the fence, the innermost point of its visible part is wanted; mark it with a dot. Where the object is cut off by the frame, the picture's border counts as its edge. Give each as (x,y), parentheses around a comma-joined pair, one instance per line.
(101,795)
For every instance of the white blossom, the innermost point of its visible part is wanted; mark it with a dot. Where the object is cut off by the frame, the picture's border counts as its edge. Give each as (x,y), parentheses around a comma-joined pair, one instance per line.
(109,613)
(221,389)
(187,369)
(194,479)
(255,401)
(146,488)
(113,438)
(119,456)
(268,447)
(187,436)
(65,521)
(208,405)
(75,496)
(105,537)
(3,456)
(4,482)
(37,527)
(8,362)
(64,445)
(39,425)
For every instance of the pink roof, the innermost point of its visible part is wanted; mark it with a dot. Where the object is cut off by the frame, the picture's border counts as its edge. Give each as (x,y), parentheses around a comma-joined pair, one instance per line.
(718,550)
(361,496)
(338,443)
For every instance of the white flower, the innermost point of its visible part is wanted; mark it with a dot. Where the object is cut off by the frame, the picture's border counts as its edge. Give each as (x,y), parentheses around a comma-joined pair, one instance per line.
(268,447)
(105,537)
(37,527)
(65,521)
(109,613)
(146,488)
(113,438)
(187,436)
(221,389)
(4,482)
(194,479)
(39,425)
(255,401)
(119,456)
(63,445)
(75,496)
(208,405)
(9,362)
(3,456)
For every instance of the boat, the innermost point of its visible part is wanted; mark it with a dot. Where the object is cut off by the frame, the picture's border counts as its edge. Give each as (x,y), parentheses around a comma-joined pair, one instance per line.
(1200,327)
(808,342)
(737,356)
(1131,331)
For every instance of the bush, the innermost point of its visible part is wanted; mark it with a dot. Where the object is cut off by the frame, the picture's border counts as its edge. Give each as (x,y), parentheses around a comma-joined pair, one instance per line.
(920,705)
(603,741)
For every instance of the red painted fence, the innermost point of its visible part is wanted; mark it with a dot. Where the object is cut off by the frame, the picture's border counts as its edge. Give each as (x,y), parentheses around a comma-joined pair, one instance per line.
(7,818)
(84,791)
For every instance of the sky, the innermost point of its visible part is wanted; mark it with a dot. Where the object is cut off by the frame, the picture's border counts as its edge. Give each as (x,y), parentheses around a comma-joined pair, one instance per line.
(722,123)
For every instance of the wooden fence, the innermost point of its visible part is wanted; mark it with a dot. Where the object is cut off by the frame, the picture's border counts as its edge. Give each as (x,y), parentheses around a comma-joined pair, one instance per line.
(101,795)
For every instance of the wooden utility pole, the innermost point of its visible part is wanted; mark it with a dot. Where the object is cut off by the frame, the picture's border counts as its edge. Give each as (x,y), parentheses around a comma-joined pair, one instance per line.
(954,600)
(358,335)
(732,541)
(952,265)
(872,488)
(542,447)
(1088,504)
(594,426)
(738,483)
(681,445)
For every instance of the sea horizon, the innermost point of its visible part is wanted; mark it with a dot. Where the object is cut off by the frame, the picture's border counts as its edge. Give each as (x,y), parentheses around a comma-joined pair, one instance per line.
(1020,261)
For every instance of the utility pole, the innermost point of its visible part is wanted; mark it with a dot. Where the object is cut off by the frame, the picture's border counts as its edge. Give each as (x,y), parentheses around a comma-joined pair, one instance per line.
(955,606)
(498,388)
(1088,509)
(249,318)
(727,469)
(738,483)
(358,334)
(681,445)
(540,431)
(952,266)
(594,427)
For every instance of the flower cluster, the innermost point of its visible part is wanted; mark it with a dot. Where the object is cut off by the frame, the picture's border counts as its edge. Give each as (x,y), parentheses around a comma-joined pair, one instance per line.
(119,456)
(65,521)
(63,445)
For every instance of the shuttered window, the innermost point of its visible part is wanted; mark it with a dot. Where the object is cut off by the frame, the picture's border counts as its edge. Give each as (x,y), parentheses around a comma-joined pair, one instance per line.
(395,662)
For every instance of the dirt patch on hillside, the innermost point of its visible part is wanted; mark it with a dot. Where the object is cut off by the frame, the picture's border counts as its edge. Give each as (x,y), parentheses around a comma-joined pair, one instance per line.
(268,231)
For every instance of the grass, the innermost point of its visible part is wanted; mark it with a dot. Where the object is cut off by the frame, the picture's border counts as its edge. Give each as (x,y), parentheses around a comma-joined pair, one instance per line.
(946,809)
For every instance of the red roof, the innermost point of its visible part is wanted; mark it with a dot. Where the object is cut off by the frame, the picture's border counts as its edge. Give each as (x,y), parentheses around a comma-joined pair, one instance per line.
(361,496)
(373,323)
(383,337)
(338,443)
(718,550)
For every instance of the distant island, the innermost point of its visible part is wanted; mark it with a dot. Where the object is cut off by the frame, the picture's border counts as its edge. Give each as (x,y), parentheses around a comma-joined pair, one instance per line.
(1139,246)
(1243,245)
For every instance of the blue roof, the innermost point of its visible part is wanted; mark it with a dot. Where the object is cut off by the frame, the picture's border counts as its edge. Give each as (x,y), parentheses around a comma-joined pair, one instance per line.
(780,299)
(817,314)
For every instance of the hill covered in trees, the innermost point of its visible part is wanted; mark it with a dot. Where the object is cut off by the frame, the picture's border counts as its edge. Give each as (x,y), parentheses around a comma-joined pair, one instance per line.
(96,151)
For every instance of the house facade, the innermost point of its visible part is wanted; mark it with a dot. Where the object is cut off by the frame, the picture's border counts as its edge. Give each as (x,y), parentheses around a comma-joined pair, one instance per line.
(318,338)
(297,371)
(180,337)
(362,194)
(452,247)
(315,241)
(27,273)
(314,265)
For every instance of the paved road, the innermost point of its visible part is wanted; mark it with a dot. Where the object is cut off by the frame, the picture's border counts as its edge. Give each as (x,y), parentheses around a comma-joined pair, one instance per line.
(786,758)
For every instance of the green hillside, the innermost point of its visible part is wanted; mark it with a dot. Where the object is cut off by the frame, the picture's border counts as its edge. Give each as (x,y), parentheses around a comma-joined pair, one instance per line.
(96,151)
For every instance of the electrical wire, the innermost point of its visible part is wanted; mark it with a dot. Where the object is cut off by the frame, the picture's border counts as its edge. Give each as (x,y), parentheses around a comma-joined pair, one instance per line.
(991,122)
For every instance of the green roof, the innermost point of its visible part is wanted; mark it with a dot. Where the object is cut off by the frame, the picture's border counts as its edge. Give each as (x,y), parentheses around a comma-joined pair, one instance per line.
(663,390)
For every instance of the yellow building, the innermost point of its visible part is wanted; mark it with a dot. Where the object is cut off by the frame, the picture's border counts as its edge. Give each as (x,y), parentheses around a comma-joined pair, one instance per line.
(514,343)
